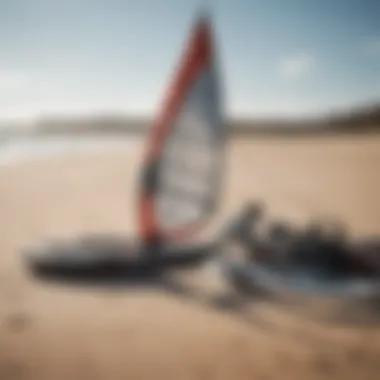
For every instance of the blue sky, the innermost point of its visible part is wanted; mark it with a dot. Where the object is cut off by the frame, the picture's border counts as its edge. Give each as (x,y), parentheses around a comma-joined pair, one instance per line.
(279,57)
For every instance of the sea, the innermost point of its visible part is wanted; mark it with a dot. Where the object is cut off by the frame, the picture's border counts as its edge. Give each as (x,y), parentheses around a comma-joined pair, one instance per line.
(21,148)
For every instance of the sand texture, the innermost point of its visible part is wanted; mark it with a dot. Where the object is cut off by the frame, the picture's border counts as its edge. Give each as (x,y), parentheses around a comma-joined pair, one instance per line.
(59,332)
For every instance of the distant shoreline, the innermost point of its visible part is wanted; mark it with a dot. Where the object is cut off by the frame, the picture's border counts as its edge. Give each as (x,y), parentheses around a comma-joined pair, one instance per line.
(22,149)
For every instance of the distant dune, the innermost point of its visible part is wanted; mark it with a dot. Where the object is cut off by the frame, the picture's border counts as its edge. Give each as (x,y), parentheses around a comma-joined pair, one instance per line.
(359,119)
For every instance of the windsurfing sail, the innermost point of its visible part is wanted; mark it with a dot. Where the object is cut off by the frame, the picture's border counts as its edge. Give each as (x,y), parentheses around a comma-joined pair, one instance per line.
(181,176)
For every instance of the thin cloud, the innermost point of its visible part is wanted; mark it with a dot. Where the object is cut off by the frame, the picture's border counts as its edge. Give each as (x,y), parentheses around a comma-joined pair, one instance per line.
(372,47)
(13,80)
(297,66)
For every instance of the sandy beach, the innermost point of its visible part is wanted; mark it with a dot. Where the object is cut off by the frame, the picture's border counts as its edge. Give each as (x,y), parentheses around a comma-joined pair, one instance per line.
(57,332)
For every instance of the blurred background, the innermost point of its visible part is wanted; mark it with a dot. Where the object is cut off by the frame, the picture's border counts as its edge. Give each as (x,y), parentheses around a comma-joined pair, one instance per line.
(81,82)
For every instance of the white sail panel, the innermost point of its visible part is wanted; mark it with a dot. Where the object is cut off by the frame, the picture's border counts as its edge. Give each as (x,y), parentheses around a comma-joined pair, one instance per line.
(191,160)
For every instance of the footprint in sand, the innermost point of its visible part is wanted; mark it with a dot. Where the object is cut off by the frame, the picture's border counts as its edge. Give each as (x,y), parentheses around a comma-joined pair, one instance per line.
(323,365)
(17,321)
(12,371)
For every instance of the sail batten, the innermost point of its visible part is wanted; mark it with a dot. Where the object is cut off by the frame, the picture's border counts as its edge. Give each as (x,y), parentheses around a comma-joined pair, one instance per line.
(182,164)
